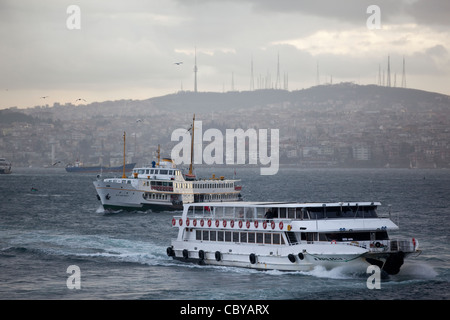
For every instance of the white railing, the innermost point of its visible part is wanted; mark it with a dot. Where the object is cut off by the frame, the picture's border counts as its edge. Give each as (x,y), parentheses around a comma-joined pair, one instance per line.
(393,245)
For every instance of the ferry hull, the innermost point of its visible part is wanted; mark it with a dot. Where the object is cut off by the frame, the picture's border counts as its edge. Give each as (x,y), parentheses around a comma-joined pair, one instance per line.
(291,258)
(98,169)
(294,258)
(143,207)
(115,197)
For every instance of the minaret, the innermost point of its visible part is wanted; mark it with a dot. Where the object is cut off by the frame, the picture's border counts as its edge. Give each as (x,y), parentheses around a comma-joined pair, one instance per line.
(195,70)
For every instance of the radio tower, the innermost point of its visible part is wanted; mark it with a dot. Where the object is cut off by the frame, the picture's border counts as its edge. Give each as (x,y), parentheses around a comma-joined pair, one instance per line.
(317,75)
(403,74)
(388,83)
(252,81)
(195,70)
(277,84)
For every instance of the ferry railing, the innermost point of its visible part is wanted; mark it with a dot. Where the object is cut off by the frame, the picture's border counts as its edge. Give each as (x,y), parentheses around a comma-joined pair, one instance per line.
(392,245)
(250,223)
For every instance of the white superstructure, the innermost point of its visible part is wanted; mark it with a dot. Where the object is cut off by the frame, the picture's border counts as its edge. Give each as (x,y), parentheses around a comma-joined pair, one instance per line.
(160,187)
(288,236)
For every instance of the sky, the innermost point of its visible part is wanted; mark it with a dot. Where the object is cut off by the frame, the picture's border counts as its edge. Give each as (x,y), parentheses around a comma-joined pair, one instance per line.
(127,49)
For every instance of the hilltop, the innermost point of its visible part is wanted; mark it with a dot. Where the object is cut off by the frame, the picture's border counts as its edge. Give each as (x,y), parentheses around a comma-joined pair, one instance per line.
(328,125)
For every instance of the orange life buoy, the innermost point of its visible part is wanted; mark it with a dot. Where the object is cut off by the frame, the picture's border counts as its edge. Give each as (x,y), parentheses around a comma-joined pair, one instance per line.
(281,225)
(217,223)
(232,223)
(264,224)
(224,223)
(209,223)
(174,221)
(180,222)
(194,222)
(202,223)
(272,224)
(255,223)
(187,222)
(240,223)
(333,242)
(247,224)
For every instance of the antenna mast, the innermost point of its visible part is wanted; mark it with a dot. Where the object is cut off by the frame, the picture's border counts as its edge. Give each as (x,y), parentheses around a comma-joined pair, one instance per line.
(123,174)
(388,73)
(192,147)
(404,74)
(195,70)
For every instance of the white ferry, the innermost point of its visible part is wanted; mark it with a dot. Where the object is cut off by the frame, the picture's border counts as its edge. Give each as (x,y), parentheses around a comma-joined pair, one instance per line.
(162,187)
(289,236)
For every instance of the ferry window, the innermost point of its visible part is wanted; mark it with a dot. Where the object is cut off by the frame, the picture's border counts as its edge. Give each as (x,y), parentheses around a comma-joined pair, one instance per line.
(219,235)
(239,212)
(291,213)
(229,212)
(171,172)
(333,212)
(274,213)
(170,184)
(310,236)
(282,213)
(141,171)
(267,238)
(316,213)
(235,236)
(156,171)
(198,235)
(299,213)
(212,236)
(244,237)
(369,211)
(276,238)
(205,235)
(251,237)
(347,212)
(259,237)
(227,236)
(146,171)
(248,213)
(260,212)
(381,235)
(163,171)
(152,171)
(128,181)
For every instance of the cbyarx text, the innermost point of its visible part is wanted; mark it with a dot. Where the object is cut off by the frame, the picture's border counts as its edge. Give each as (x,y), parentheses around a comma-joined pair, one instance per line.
(230,309)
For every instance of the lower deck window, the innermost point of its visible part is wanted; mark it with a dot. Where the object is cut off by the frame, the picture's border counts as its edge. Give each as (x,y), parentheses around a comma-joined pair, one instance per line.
(239,237)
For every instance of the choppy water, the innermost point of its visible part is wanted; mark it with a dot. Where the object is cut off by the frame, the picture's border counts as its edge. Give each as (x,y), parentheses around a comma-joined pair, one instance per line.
(123,255)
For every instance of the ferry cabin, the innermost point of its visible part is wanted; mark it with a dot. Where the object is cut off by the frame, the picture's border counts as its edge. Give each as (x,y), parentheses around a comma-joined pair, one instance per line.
(333,232)
(163,187)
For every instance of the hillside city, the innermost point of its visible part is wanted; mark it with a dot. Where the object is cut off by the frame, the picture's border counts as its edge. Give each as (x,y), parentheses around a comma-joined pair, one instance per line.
(341,125)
